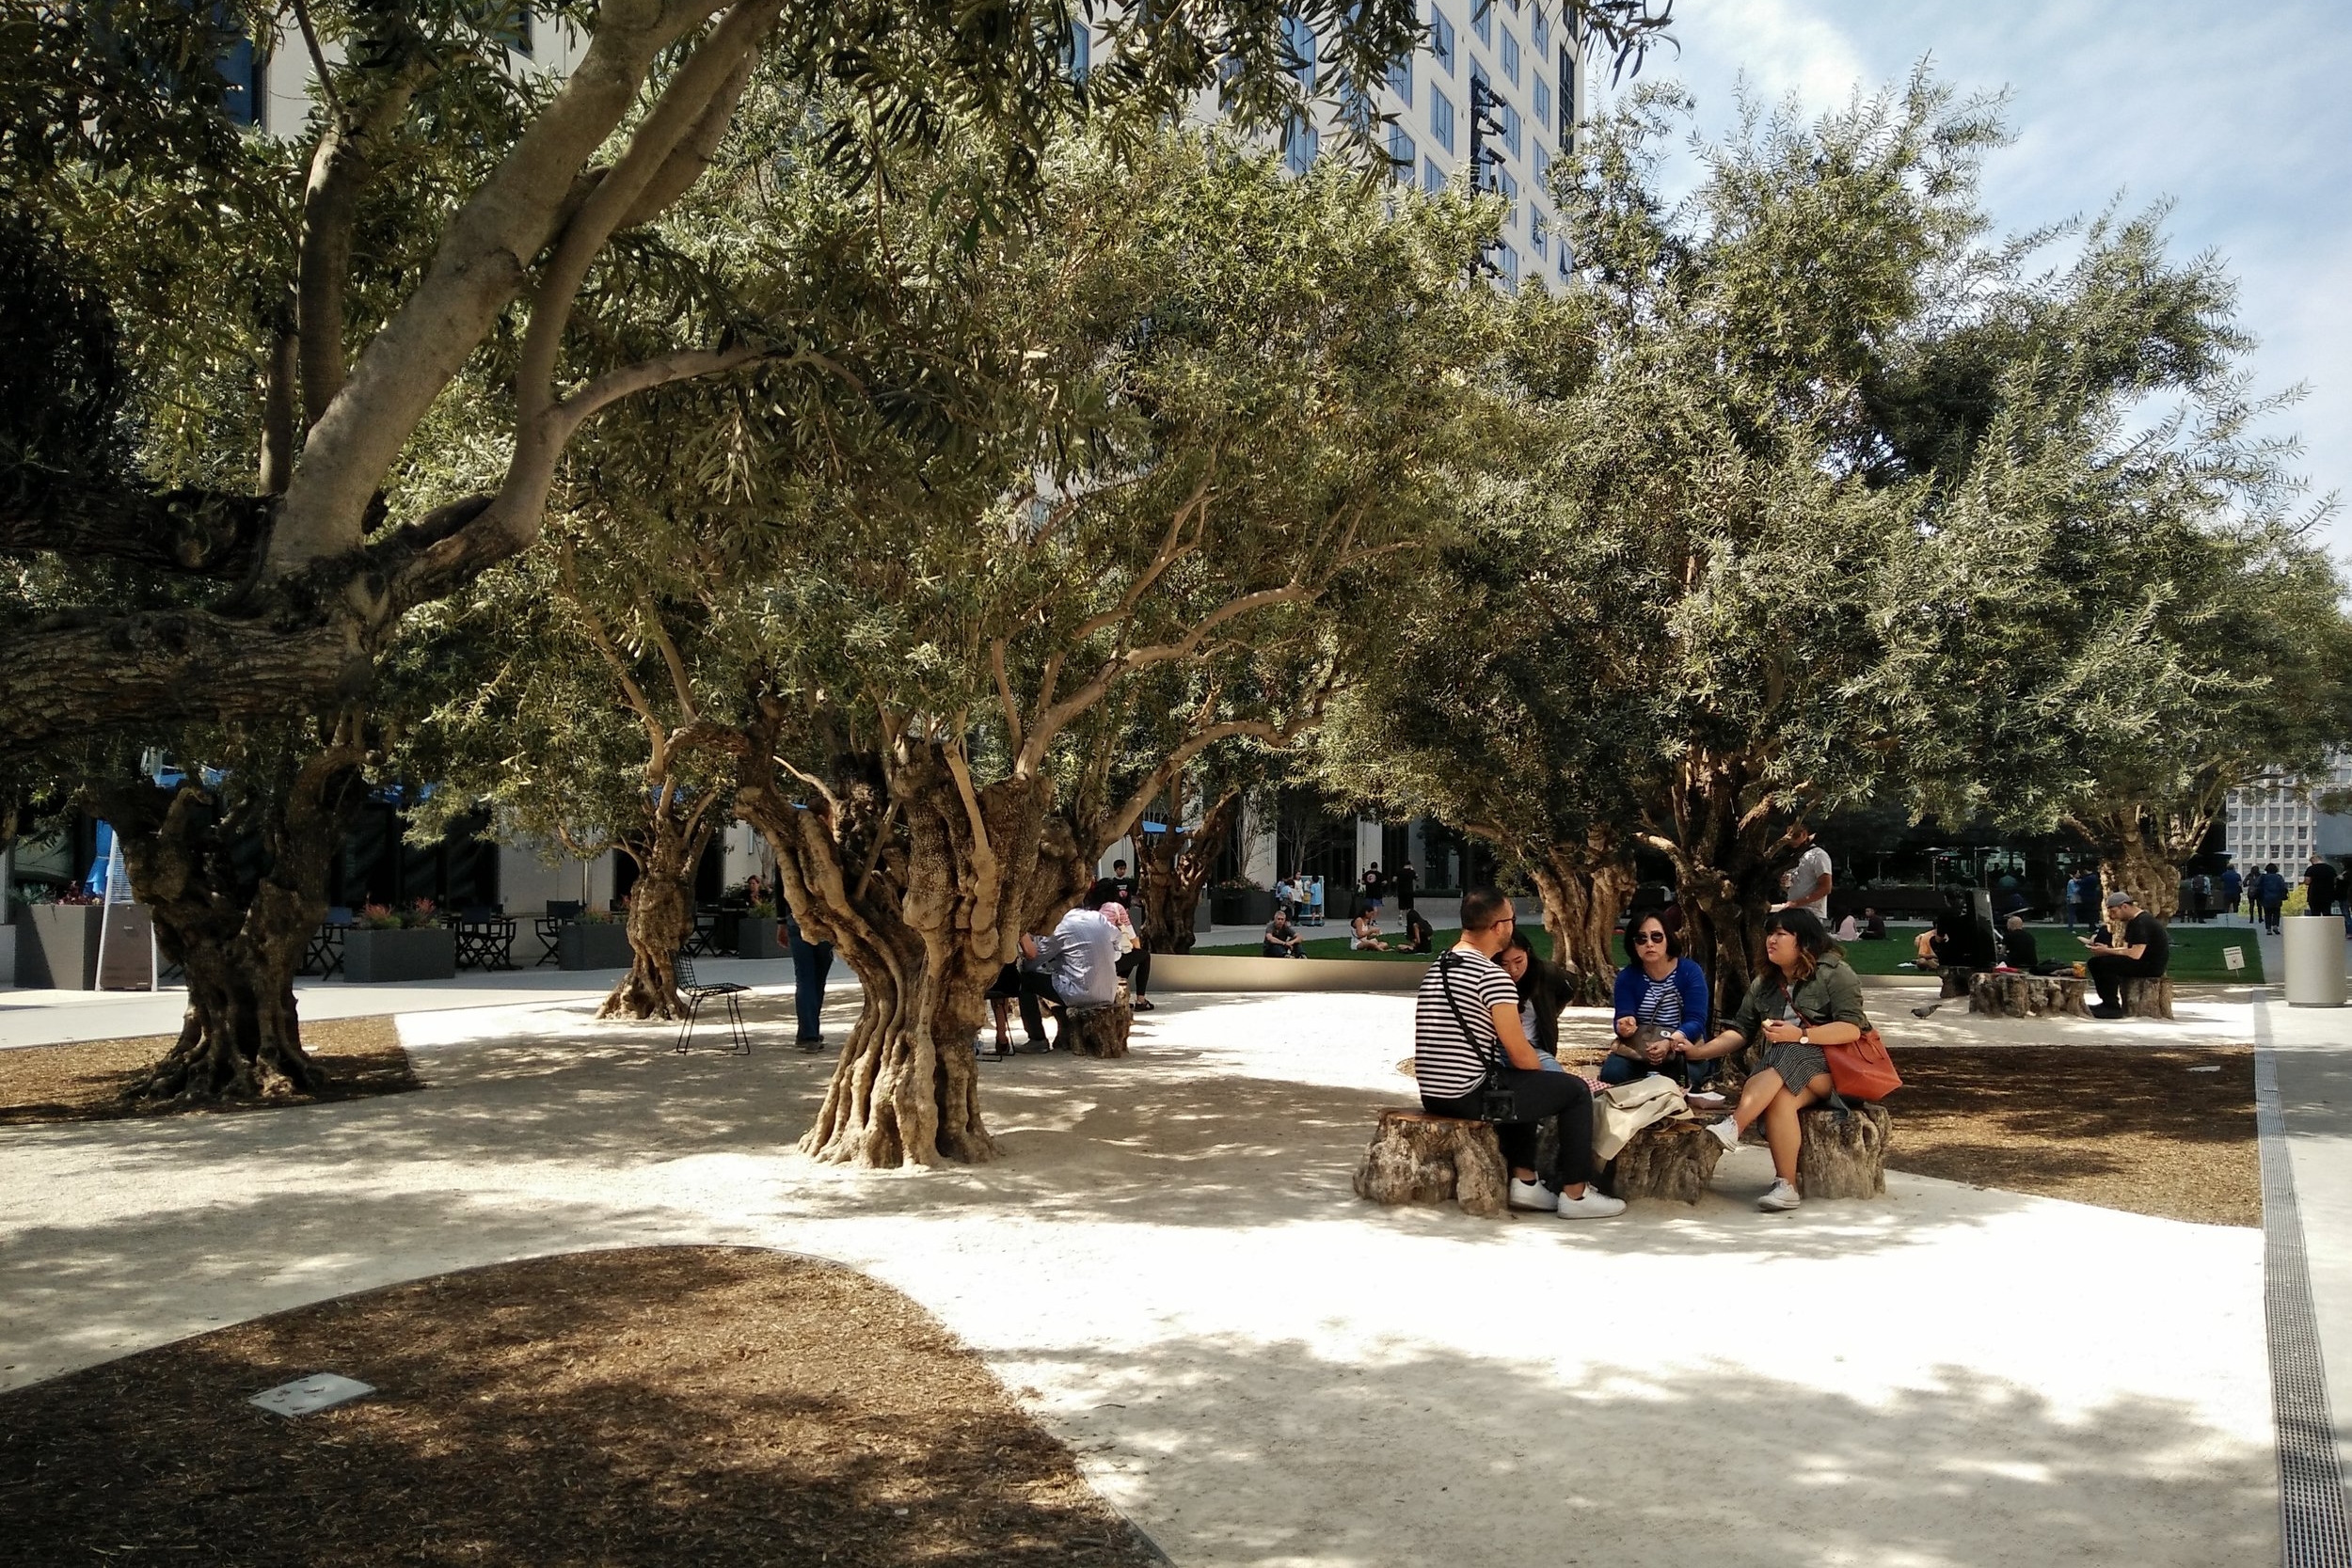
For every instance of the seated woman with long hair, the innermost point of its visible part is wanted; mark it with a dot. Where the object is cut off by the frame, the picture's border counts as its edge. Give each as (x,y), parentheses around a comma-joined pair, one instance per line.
(1805,998)
(1544,989)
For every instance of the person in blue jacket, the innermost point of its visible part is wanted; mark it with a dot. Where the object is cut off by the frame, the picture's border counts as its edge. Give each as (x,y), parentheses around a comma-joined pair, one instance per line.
(1664,990)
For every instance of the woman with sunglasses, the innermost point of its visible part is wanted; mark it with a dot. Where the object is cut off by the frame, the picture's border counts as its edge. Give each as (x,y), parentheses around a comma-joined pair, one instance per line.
(1664,989)
(1805,998)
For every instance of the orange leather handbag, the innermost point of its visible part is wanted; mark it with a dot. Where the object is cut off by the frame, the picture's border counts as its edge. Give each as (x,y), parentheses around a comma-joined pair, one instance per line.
(1862,1070)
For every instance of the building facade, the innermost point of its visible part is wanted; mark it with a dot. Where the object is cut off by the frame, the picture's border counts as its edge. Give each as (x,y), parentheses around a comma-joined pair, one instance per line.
(2279,819)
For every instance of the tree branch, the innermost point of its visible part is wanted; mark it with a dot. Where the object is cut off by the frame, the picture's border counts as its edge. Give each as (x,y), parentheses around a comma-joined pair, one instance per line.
(205,532)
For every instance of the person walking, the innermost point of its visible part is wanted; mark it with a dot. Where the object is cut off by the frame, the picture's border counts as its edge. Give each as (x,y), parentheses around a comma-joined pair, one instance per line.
(2233,889)
(1375,888)
(2082,899)
(2272,896)
(1407,884)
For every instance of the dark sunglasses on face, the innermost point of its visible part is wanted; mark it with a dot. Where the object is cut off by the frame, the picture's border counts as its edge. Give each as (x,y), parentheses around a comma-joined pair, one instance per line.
(1648,937)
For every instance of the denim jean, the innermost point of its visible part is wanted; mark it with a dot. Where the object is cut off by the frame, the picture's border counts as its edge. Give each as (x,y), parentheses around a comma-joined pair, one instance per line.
(811,963)
(1625,1069)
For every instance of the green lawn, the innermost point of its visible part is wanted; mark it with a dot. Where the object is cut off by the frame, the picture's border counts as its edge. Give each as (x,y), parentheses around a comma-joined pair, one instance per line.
(2196,951)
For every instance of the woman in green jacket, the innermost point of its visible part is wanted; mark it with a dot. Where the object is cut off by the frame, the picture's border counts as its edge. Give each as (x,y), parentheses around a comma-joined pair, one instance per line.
(1805,998)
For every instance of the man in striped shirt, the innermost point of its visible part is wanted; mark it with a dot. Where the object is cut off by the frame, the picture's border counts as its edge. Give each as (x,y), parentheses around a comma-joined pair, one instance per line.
(1465,1021)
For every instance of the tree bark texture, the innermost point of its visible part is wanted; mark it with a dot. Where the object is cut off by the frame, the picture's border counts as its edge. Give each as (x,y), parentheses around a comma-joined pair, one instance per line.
(1172,868)
(1728,845)
(2143,853)
(1098,1032)
(1844,1156)
(240,935)
(660,915)
(1584,890)
(924,883)
(1667,1159)
(2026,995)
(1416,1158)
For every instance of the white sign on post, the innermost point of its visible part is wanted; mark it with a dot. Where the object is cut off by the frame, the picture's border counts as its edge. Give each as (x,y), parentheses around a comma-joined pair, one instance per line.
(2235,958)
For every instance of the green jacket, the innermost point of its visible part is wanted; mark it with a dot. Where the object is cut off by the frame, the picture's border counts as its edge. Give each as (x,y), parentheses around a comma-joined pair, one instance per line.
(1831,993)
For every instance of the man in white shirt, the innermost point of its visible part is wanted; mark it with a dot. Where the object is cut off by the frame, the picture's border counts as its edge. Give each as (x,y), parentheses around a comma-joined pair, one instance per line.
(1077,966)
(1810,883)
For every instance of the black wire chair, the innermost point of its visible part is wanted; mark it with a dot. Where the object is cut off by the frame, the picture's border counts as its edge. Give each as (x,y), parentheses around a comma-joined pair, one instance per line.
(696,994)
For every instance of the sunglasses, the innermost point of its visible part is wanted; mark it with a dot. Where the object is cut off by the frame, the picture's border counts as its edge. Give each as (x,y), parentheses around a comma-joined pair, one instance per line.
(1648,937)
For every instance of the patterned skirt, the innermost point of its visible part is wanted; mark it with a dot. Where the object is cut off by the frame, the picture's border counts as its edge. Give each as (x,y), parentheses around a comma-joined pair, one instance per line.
(1798,1064)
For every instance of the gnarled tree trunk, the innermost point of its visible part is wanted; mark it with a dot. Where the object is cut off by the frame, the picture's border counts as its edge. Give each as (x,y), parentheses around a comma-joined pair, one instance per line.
(2142,853)
(1172,868)
(660,915)
(1728,843)
(924,882)
(1585,888)
(239,933)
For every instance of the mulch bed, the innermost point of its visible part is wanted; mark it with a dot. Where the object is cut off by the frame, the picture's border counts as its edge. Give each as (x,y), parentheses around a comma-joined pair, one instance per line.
(665,1405)
(84,1080)
(2123,1127)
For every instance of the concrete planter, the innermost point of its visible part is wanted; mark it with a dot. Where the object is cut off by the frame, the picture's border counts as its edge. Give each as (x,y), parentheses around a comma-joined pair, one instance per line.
(58,946)
(582,945)
(1216,971)
(383,957)
(760,937)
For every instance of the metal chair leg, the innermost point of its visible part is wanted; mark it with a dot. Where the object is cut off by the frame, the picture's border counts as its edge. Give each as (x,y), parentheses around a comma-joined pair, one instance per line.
(734,1025)
(685,1030)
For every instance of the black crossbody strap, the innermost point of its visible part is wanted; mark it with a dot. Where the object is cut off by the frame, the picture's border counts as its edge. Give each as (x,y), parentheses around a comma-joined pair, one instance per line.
(1445,984)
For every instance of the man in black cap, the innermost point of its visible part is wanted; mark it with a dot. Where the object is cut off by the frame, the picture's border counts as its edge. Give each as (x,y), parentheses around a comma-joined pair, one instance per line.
(2141,950)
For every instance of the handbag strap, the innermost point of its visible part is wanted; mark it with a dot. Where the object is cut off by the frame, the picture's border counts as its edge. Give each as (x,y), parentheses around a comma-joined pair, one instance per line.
(1445,985)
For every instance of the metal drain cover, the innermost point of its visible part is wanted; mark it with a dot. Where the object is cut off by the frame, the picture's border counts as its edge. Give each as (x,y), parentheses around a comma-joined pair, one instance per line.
(319,1391)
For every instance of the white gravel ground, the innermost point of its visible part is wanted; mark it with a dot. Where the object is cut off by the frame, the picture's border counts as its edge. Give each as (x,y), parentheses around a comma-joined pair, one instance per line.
(1170,1270)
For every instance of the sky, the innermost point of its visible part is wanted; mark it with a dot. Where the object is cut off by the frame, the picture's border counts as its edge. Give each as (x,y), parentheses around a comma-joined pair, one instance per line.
(2239,115)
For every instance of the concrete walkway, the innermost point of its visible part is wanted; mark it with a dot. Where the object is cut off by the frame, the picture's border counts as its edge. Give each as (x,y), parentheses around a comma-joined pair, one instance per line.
(1168,1268)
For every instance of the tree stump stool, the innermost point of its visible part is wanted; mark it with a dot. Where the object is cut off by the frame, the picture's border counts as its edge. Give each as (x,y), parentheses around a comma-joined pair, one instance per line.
(1844,1156)
(1952,982)
(1418,1158)
(2018,996)
(1666,1159)
(2148,996)
(1097,1031)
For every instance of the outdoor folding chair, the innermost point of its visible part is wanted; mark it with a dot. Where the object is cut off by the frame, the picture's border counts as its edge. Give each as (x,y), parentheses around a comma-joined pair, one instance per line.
(695,994)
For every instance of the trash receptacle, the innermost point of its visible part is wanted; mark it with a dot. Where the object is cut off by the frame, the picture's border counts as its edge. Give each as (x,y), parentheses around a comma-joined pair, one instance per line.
(2315,955)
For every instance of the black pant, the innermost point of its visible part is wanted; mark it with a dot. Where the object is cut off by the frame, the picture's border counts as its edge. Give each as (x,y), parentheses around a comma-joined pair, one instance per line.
(1136,968)
(2108,970)
(1027,986)
(1562,1096)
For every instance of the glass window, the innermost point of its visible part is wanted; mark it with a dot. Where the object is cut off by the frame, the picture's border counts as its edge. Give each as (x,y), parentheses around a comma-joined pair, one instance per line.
(1509,189)
(1081,49)
(1539,31)
(244,94)
(1510,118)
(1441,40)
(1432,177)
(1299,145)
(1510,58)
(1403,155)
(1541,91)
(1441,120)
(1543,169)
(1509,261)
(1401,80)
(1539,233)
(1482,20)
(1567,95)
(1300,35)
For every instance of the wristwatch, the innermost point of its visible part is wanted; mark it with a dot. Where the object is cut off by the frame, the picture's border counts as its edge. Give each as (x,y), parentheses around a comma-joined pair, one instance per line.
(1803,1039)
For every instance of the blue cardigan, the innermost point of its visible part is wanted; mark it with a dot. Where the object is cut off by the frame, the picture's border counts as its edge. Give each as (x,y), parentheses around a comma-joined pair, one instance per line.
(1688,978)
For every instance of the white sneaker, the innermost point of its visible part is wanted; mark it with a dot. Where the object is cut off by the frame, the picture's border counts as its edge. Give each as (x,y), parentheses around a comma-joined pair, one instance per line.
(1726,1133)
(1780,1199)
(1533,1194)
(1593,1205)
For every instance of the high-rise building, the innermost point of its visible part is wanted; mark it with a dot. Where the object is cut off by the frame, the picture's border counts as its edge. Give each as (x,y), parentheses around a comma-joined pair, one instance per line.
(1501,81)
(2278,817)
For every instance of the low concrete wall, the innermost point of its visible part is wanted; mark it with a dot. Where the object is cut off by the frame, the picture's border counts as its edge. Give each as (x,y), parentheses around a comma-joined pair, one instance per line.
(1202,972)
(7,958)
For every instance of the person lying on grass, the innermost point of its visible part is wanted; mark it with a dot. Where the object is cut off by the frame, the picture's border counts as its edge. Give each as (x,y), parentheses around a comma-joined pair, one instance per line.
(1465,1021)
(1805,998)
